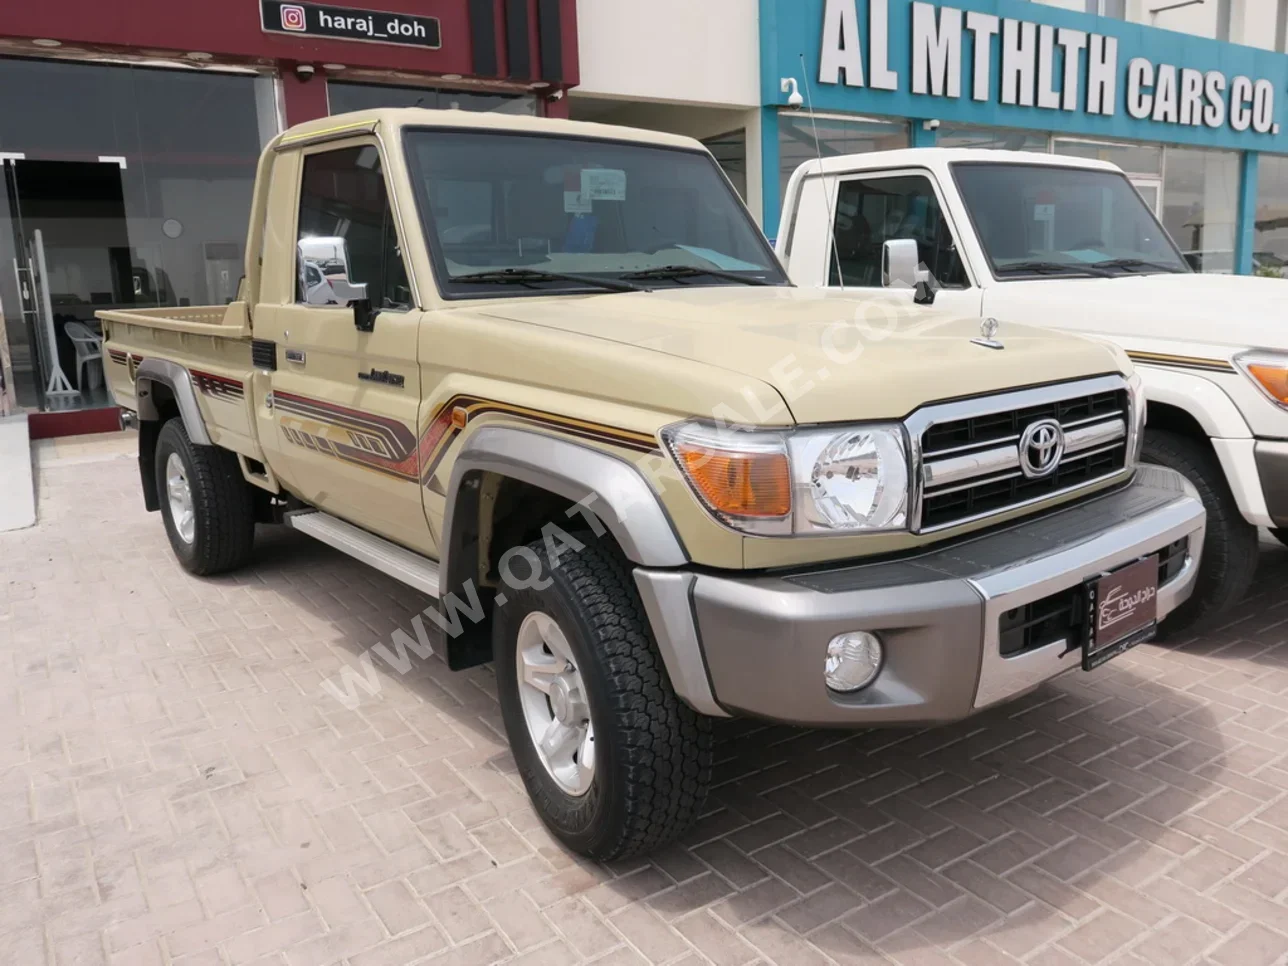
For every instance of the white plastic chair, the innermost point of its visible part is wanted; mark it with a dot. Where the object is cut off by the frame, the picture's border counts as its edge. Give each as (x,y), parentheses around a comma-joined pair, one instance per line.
(89,347)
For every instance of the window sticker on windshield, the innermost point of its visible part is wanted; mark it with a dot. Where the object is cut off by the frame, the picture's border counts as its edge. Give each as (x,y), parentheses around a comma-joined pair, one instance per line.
(577,203)
(603,184)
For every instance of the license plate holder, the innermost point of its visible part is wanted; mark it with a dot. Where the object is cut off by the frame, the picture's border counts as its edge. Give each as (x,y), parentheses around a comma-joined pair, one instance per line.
(1123,611)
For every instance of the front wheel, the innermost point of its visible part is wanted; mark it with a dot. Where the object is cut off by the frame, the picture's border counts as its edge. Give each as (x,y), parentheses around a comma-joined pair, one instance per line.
(614,762)
(207,505)
(1230,547)
(1281,536)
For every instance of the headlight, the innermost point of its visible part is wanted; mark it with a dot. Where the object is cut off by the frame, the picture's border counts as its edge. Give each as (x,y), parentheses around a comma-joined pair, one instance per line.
(856,479)
(1269,370)
(1136,439)
(814,481)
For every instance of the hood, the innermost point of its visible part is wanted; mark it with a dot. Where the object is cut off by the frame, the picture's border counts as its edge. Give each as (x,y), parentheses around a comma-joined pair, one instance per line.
(1237,311)
(831,356)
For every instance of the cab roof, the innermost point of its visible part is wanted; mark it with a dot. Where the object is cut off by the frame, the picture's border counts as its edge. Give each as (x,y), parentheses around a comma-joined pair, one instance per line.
(387,119)
(942,157)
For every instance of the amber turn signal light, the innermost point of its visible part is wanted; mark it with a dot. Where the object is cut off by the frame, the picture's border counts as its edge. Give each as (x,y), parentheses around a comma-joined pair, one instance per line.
(754,485)
(1273,379)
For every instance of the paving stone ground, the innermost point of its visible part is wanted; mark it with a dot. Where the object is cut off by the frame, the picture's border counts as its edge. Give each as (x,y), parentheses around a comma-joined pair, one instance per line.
(178,791)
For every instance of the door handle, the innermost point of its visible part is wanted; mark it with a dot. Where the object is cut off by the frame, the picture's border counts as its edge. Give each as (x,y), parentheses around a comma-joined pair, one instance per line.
(295,355)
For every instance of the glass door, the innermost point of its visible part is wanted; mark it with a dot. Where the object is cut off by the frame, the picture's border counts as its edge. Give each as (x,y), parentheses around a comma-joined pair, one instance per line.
(69,252)
(1150,190)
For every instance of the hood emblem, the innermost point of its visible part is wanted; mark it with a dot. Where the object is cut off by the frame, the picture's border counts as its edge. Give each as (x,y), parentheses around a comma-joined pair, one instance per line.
(1041,448)
(988,332)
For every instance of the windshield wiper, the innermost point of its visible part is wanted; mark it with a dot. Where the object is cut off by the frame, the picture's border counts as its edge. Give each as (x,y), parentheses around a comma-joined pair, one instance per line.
(526,276)
(1058,268)
(1136,263)
(689,271)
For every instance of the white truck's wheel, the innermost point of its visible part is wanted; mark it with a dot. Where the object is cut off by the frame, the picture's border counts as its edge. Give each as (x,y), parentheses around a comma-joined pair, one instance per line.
(1230,547)
(1281,536)
(207,505)
(615,763)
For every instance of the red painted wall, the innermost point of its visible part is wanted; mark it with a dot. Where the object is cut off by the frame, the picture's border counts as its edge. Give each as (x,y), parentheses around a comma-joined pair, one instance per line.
(230,29)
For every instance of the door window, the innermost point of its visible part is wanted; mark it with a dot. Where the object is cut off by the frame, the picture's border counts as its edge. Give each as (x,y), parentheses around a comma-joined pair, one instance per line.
(346,218)
(872,211)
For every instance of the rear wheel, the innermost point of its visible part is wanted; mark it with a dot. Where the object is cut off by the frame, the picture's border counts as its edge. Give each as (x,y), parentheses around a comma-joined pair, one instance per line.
(206,503)
(1230,547)
(1281,536)
(615,763)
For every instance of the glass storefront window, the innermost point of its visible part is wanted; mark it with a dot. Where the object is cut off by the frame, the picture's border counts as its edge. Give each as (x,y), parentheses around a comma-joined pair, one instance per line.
(345,96)
(730,152)
(836,137)
(1270,248)
(136,182)
(1006,139)
(1144,159)
(1201,204)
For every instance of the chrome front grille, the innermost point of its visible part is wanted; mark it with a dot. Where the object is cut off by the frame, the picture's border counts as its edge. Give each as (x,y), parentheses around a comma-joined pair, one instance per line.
(969,453)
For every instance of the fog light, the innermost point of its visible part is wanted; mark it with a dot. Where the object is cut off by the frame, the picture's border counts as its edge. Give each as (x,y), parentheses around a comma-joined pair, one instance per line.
(853,661)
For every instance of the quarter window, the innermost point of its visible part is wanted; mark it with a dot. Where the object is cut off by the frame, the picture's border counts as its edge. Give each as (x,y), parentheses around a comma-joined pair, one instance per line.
(346,220)
(872,211)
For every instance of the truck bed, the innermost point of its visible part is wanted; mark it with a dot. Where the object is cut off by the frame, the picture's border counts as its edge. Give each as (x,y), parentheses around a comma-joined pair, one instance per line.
(212,343)
(220,321)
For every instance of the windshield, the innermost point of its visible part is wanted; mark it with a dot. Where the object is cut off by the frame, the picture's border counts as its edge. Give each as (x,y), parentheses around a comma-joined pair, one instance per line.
(497,201)
(1041,220)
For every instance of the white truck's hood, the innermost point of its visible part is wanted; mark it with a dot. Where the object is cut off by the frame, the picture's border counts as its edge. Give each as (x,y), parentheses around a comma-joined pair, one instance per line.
(1216,310)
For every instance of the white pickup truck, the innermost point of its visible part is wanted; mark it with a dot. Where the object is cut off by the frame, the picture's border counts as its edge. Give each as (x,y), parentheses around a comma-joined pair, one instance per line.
(1068,242)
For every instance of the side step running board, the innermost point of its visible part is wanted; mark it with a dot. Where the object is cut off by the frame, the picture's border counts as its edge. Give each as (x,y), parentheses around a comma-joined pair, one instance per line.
(389,558)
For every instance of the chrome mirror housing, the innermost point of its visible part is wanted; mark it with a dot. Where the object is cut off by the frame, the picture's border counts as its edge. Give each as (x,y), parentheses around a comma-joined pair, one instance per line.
(899,259)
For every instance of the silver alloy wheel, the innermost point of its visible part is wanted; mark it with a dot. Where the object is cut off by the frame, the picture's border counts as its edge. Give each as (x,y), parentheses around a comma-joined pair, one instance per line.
(555,705)
(179,493)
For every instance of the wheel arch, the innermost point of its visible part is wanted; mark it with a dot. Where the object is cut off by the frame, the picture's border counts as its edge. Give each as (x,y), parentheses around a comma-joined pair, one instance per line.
(179,396)
(507,484)
(1191,401)
(163,391)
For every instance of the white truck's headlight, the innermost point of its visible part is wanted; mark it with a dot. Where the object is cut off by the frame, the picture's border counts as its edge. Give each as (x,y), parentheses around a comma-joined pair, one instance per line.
(1269,370)
(797,482)
(1136,439)
(856,479)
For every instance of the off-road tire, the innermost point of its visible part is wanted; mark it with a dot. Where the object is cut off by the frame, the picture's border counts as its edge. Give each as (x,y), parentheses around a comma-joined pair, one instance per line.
(652,751)
(222,500)
(1281,536)
(1230,549)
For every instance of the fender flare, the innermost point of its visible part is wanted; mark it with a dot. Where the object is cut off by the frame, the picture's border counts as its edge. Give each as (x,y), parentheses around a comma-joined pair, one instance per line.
(179,381)
(1201,398)
(622,498)
(623,502)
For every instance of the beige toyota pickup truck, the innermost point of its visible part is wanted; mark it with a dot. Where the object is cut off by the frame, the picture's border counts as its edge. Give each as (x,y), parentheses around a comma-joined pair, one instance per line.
(552,376)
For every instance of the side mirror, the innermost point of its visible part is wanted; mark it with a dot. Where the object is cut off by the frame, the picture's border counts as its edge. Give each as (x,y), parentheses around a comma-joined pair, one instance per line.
(324,266)
(899,259)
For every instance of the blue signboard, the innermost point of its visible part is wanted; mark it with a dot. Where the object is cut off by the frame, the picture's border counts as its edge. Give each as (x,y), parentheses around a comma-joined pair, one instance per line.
(1018,64)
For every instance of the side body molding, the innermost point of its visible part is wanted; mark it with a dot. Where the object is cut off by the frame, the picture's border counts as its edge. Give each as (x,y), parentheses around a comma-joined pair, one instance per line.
(179,381)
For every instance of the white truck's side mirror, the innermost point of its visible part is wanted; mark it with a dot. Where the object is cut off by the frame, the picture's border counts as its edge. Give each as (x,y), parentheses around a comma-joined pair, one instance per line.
(899,261)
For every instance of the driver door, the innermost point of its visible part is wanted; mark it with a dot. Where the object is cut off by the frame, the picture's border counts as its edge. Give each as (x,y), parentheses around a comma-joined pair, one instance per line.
(346,388)
(872,209)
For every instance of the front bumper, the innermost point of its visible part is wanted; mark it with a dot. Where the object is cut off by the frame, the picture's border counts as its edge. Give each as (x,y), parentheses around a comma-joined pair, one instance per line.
(1272,467)
(756,645)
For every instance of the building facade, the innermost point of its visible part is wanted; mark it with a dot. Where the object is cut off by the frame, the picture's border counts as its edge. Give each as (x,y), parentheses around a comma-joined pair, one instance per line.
(129,135)
(1193,118)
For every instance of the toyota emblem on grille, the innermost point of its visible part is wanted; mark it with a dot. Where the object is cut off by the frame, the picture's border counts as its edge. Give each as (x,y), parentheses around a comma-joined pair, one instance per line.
(1041,448)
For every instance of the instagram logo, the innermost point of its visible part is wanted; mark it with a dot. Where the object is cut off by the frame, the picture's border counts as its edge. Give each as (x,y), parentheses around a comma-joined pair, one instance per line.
(292,17)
